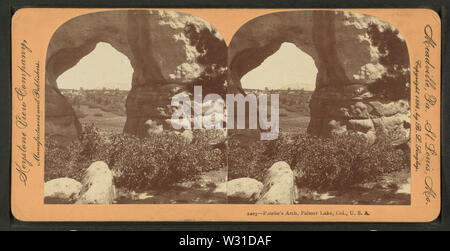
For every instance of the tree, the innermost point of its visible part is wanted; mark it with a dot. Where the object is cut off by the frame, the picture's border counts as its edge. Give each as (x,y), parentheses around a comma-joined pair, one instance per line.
(213,58)
(395,58)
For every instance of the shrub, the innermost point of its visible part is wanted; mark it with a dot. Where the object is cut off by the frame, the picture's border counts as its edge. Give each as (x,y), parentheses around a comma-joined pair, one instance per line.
(72,159)
(336,163)
(344,161)
(138,163)
(161,159)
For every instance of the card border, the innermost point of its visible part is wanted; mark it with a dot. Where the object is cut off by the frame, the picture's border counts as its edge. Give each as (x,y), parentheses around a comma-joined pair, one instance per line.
(8,221)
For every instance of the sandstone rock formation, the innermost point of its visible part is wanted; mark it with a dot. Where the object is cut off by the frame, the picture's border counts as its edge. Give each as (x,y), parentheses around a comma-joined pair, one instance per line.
(347,48)
(161,54)
(356,55)
(61,190)
(98,186)
(279,185)
(241,190)
(60,119)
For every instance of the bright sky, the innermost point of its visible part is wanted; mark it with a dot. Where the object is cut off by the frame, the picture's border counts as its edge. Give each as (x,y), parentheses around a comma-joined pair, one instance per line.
(288,67)
(103,67)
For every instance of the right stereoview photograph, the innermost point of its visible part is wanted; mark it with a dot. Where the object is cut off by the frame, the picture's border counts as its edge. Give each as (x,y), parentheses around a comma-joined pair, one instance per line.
(322,110)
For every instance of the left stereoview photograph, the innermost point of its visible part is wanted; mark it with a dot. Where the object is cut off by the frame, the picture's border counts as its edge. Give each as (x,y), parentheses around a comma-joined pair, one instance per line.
(110,136)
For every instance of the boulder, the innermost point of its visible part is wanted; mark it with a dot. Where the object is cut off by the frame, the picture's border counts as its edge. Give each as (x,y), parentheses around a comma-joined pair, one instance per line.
(391,108)
(241,190)
(61,190)
(361,125)
(154,127)
(279,185)
(97,185)
(60,119)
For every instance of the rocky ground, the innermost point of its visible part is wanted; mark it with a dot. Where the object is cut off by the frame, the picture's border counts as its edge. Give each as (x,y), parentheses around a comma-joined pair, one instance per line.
(278,187)
(200,191)
(391,189)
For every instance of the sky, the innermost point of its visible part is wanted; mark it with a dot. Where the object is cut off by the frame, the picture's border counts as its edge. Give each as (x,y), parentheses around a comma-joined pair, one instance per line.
(289,66)
(103,67)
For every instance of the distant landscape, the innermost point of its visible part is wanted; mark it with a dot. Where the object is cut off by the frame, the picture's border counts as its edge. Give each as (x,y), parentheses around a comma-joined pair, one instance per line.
(106,107)
(103,107)
(294,107)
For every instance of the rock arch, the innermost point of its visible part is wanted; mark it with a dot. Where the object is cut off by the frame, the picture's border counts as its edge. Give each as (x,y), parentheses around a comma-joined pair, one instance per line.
(288,67)
(153,42)
(340,44)
(348,64)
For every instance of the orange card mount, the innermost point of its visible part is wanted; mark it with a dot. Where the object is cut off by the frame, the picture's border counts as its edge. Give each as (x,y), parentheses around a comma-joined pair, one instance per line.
(226,115)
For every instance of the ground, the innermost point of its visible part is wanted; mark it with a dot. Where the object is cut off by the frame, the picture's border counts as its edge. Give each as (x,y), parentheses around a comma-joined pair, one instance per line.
(105,121)
(200,191)
(391,189)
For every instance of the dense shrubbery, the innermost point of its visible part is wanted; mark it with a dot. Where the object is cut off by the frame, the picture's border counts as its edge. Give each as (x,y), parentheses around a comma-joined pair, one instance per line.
(71,160)
(336,163)
(138,163)
(161,159)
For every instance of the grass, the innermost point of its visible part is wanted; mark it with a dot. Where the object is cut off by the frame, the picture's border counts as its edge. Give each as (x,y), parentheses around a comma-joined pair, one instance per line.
(106,121)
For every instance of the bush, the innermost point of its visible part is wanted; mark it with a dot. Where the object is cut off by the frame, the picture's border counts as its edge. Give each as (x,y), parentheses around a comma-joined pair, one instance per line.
(138,163)
(161,159)
(322,164)
(71,160)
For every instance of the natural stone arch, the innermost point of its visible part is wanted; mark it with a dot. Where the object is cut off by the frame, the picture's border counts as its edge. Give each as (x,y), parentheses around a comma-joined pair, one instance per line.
(287,68)
(152,42)
(339,44)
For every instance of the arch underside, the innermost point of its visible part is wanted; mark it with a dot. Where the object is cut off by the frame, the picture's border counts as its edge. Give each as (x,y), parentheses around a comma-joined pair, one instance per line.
(129,32)
(323,35)
(314,37)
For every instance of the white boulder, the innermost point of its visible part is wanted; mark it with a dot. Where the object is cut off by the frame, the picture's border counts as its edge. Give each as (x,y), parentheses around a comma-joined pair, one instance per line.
(241,190)
(97,185)
(279,185)
(64,190)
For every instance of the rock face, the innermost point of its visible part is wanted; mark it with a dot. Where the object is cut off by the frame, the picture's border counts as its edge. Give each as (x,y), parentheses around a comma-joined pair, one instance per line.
(159,51)
(350,58)
(98,187)
(60,119)
(61,190)
(279,185)
(241,190)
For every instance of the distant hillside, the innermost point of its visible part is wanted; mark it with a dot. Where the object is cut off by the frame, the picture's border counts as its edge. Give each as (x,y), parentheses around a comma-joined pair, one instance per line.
(294,86)
(108,100)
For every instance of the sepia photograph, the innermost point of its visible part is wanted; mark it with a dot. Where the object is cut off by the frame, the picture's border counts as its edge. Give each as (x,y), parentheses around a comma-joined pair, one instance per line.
(110,80)
(153,107)
(341,82)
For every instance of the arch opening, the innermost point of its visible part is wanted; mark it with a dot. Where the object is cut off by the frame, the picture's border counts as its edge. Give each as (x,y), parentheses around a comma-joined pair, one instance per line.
(291,73)
(97,87)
